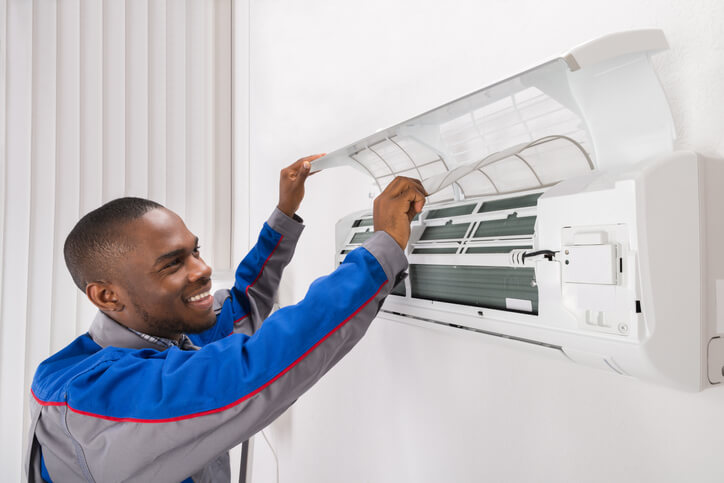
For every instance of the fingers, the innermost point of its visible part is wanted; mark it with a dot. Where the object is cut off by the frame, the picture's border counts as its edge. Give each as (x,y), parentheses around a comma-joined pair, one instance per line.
(401,183)
(291,184)
(408,194)
(408,189)
(414,199)
(396,206)
(312,157)
(413,194)
(302,167)
(304,164)
(307,159)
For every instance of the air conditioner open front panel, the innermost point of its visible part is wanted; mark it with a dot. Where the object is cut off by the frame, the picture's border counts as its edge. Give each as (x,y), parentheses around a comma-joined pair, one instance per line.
(509,137)
(523,132)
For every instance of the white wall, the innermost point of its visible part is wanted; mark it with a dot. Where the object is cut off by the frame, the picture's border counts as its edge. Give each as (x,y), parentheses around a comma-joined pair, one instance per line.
(414,404)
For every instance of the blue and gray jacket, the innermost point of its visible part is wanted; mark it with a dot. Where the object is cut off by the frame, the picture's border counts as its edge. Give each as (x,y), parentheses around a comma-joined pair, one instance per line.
(112,406)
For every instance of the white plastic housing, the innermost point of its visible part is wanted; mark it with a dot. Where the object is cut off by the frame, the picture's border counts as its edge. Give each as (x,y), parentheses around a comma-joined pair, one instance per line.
(649,297)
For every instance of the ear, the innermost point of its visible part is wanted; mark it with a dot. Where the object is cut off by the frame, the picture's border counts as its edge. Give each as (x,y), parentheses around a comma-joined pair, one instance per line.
(105,296)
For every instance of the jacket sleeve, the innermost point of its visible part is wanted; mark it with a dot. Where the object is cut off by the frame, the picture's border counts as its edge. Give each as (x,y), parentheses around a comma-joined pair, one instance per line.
(169,413)
(244,307)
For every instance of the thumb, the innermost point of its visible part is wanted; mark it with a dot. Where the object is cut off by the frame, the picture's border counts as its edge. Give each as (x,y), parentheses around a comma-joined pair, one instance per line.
(306,166)
(304,170)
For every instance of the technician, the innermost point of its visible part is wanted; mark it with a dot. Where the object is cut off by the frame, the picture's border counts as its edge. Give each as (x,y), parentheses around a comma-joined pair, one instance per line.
(170,377)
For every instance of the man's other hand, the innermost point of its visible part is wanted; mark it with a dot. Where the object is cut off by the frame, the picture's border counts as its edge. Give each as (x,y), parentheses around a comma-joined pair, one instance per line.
(291,184)
(395,208)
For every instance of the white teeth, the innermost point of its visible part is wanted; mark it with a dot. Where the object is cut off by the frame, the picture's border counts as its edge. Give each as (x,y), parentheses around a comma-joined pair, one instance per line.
(199,296)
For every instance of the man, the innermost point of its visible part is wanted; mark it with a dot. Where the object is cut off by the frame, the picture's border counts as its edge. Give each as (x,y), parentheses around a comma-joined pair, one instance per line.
(170,377)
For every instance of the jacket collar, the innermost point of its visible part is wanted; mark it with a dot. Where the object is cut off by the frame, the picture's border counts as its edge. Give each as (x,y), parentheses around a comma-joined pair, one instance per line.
(106,332)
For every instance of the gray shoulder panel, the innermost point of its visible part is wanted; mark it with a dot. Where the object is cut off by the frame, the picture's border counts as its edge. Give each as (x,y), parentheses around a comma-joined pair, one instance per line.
(220,297)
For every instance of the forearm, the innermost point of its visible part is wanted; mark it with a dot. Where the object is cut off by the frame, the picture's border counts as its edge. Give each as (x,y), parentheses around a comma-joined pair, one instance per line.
(243,307)
(263,289)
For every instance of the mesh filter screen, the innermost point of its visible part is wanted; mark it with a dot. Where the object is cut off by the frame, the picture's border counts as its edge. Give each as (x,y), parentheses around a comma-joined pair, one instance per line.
(451,211)
(510,203)
(361,237)
(445,232)
(507,227)
(363,222)
(434,251)
(477,286)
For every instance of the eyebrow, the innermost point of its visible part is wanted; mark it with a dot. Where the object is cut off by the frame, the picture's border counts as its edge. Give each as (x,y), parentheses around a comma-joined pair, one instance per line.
(174,253)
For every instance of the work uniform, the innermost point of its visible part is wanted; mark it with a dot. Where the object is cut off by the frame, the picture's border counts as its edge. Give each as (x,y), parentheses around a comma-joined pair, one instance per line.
(116,406)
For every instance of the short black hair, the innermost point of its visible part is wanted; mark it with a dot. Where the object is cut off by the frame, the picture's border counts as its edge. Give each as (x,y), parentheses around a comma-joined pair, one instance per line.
(96,241)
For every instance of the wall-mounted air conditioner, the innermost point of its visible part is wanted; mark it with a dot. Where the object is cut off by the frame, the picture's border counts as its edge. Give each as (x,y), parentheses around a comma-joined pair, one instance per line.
(561,218)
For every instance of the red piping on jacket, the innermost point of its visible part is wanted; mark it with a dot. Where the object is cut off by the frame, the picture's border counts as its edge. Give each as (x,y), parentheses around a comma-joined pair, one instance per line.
(261,270)
(246,292)
(223,408)
(236,322)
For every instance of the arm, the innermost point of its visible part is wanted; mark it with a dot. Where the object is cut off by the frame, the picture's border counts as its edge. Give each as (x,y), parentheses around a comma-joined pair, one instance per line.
(244,307)
(169,413)
(259,274)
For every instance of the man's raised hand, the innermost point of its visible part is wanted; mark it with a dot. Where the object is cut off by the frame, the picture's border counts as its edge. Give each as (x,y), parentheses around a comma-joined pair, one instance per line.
(396,206)
(291,184)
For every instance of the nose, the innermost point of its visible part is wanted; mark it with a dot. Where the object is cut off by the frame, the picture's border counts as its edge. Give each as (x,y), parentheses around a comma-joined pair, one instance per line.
(198,269)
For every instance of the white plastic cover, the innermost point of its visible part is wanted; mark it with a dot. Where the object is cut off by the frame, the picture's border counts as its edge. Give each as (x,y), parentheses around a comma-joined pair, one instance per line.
(597,106)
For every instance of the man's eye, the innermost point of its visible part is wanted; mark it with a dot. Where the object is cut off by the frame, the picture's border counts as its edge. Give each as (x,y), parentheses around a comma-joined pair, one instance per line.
(175,262)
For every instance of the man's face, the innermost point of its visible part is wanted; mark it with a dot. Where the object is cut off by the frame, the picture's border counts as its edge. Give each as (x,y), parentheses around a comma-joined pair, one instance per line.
(164,283)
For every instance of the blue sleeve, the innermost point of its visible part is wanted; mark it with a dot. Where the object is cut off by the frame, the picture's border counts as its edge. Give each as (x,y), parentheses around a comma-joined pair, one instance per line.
(257,278)
(248,275)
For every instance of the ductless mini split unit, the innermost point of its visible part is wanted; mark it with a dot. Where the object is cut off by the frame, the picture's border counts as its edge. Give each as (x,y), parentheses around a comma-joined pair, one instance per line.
(560,217)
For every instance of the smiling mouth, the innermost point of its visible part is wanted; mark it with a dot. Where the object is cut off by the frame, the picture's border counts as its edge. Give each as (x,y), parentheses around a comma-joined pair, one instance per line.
(199,297)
